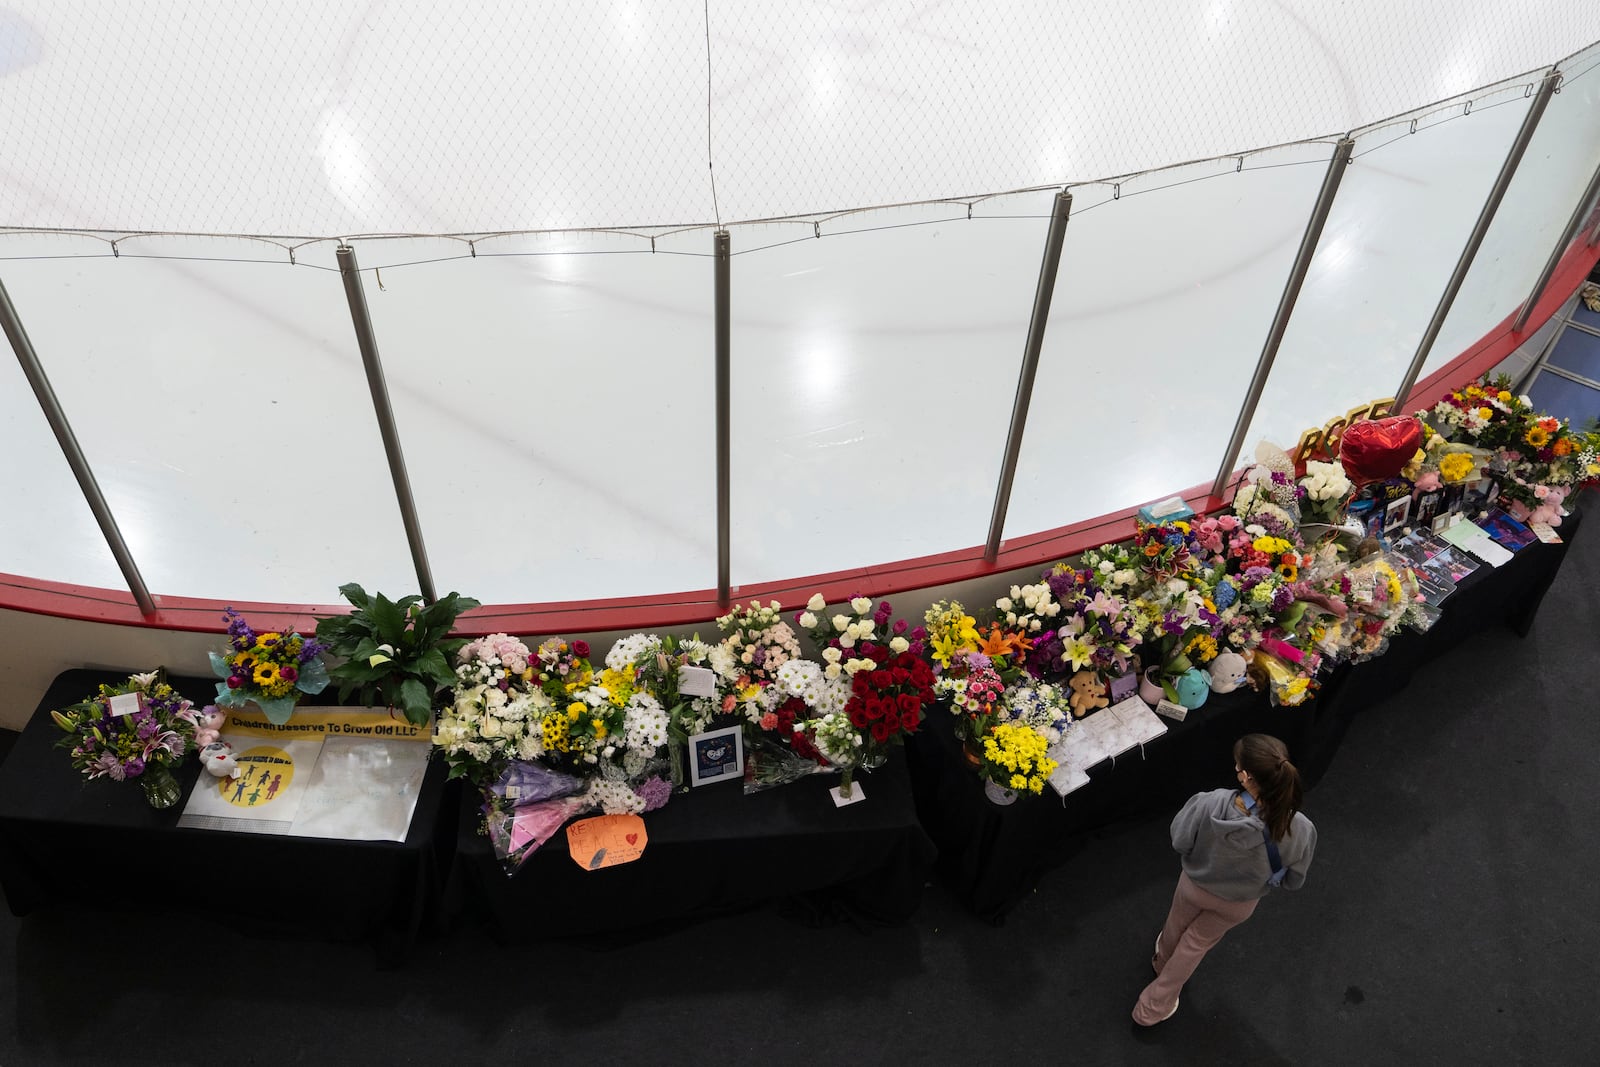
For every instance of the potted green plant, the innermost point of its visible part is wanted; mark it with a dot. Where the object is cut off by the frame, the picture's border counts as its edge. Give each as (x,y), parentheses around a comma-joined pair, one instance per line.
(395,652)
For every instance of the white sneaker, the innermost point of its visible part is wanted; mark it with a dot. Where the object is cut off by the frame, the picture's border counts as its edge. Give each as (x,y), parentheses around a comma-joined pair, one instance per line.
(1163,1019)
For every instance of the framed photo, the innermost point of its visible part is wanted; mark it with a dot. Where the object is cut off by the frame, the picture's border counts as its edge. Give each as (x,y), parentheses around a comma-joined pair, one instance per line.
(1397,514)
(1427,508)
(717,756)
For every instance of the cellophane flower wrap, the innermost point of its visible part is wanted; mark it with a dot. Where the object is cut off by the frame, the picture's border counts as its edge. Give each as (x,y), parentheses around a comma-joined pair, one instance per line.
(120,747)
(781,750)
(605,736)
(269,668)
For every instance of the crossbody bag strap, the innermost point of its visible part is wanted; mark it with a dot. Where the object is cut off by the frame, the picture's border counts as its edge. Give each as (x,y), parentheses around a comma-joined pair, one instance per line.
(1278,870)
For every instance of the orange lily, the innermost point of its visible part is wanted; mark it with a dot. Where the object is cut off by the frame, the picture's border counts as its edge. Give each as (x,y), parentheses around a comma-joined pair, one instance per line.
(998,644)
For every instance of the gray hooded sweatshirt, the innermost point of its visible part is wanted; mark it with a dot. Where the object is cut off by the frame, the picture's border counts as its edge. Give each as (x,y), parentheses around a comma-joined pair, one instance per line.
(1223,850)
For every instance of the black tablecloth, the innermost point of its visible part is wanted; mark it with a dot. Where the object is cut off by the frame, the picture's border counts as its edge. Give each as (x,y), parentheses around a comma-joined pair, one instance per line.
(713,850)
(991,857)
(67,842)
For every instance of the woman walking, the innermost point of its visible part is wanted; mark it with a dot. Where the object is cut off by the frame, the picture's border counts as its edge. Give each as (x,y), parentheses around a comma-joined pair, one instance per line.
(1236,844)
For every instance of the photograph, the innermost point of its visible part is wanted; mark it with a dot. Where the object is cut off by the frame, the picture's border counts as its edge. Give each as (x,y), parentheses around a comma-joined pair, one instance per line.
(1508,531)
(716,756)
(1427,506)
(1397,514)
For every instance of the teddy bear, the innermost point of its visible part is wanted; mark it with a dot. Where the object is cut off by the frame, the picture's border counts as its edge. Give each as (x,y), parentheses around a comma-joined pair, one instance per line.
(218,759)
(1088,693)
(208,724)
(1549,509)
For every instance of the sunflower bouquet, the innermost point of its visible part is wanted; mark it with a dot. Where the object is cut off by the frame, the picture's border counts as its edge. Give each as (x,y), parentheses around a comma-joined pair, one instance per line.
(271,669)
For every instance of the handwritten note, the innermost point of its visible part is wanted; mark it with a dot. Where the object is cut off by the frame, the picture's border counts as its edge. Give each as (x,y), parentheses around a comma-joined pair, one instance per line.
(606,840)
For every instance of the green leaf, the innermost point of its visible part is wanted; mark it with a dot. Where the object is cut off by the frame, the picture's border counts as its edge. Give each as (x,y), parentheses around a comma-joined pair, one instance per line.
(441,615)
(416,701)
(355,594)
(433,664)
(388,620)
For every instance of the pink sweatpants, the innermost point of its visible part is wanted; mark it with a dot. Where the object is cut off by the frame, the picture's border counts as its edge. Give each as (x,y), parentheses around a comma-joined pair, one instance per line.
(1197,921)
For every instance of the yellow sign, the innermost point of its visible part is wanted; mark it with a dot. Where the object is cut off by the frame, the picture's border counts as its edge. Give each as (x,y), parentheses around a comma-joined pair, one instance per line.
(330,722)
(267,773)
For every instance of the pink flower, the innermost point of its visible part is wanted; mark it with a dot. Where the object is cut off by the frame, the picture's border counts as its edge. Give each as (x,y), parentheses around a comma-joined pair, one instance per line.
(769,721)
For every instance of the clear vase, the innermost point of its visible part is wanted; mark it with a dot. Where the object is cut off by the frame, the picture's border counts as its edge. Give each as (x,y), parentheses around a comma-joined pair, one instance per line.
(847,783)
(161,790)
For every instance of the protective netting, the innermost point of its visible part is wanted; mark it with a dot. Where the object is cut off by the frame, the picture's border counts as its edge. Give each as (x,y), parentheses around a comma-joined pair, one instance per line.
(343,118)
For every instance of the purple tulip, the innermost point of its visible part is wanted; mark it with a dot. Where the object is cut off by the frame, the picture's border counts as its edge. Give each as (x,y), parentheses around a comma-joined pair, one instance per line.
(234,681)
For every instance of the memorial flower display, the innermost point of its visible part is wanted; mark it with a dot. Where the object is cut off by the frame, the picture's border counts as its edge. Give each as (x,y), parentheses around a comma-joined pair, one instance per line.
(890,684)
(1538,460)
(272,670)
(135,730)
(1099,629)
(496,709)
(1015,758)
(1326,490)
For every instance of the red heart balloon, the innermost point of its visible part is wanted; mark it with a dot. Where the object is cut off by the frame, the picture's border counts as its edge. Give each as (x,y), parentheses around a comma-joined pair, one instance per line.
(1377,448)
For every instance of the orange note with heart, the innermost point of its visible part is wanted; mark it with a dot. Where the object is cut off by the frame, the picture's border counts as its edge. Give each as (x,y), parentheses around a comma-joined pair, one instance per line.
(606,840)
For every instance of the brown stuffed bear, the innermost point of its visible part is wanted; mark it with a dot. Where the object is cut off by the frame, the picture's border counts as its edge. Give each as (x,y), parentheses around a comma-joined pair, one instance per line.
(1088,693)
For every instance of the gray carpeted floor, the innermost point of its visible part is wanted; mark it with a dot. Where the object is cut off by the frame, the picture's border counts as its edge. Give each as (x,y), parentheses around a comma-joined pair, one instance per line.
(1449,919)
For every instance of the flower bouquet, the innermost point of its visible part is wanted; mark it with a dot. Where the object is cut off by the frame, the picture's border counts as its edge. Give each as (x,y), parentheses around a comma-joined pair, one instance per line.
(495,710)
(1014,761)
(1100,631)
(841,743)
(1326,490)
(656,664)
(138,729)
(890,683)
(273,670)
(1181,623)
(782,751)
(1043,707)
(974,691)
(950,634)
(1164,549)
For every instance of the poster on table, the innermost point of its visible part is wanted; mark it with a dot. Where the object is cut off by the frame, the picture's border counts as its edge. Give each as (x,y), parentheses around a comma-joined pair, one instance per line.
(348,773)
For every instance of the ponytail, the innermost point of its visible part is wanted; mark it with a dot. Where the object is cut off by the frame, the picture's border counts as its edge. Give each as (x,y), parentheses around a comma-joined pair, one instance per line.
(1266,760)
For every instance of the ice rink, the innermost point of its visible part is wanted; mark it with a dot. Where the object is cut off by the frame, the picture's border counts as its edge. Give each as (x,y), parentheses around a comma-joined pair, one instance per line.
(531,193)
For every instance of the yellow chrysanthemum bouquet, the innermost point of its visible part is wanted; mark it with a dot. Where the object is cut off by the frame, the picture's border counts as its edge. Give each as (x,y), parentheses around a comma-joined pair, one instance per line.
(1015,757)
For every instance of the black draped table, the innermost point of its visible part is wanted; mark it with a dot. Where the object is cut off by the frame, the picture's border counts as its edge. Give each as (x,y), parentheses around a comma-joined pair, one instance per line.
(67,842)
(991,857)
(714,850)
